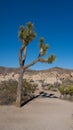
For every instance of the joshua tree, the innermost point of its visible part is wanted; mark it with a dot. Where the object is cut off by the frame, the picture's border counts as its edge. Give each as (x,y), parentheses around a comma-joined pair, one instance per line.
(26,35)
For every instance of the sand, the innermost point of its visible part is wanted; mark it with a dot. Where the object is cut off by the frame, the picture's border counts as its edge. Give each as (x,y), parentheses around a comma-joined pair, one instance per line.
(39,114)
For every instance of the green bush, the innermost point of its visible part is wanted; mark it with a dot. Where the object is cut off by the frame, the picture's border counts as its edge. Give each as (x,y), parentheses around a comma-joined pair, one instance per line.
(66,90)
(70,90)
(61,89)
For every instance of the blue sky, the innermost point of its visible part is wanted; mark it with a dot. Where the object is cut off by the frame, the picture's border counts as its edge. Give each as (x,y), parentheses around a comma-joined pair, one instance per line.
(53,19)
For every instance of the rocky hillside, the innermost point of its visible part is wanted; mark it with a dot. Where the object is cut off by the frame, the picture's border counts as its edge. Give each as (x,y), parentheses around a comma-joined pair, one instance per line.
(43,77)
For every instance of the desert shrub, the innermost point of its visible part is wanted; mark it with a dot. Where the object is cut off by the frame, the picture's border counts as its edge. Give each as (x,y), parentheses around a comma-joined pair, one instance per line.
(61,89)
(28,89)
(8,91)
(50,87)
(68,90)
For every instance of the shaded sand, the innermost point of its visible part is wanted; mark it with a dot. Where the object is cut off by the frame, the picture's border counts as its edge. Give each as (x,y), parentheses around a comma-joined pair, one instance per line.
(39,114)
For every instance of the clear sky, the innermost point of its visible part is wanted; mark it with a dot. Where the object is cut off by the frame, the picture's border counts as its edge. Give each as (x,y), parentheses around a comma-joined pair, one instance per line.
(53,19)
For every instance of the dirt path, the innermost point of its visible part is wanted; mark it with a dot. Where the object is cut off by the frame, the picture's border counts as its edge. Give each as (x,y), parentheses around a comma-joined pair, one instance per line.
(39,114)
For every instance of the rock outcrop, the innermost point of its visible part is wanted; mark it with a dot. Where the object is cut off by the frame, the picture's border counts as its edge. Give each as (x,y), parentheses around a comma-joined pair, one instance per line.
(41,78)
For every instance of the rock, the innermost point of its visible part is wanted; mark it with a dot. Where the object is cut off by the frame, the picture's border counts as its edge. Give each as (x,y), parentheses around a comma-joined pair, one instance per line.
(65,76)
(12,74)
(16,76)
(42,78)
(72,74)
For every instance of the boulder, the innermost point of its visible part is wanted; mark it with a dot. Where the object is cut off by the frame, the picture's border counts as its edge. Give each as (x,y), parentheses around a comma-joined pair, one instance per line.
(72,74)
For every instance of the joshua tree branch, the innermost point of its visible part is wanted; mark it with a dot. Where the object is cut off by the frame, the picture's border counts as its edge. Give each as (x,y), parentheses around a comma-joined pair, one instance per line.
(32,63)
(43,60)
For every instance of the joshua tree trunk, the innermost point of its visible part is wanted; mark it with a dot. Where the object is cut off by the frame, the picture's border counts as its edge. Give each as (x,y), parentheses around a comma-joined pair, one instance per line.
(20,81)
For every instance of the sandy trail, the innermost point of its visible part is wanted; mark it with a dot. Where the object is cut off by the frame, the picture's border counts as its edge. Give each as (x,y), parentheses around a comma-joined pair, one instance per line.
(39,114)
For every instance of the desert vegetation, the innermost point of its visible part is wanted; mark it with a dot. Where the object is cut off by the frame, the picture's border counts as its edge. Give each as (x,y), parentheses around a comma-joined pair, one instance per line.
(65,89)
(66,92)
(8,91)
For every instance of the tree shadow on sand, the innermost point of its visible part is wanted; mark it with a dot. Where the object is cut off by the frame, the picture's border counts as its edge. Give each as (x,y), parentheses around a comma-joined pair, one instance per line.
(42,95)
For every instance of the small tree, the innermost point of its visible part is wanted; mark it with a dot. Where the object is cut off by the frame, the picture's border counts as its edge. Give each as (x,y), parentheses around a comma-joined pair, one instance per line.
(26,35)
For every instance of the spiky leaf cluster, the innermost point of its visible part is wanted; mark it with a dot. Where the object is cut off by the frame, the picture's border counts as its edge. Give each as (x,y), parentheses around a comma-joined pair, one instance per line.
(27,33)
(44,47)
(51,58)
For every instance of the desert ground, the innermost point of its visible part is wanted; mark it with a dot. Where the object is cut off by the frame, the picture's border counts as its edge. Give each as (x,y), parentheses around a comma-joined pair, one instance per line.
(39,114)
(42,113)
